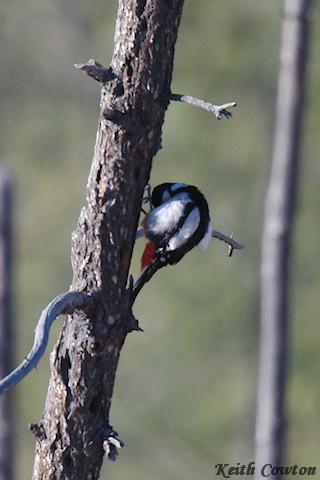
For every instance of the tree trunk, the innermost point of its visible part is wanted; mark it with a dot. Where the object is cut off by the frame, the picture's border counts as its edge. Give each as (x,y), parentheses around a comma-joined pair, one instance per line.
(6,337)
(276,243)
(76,417)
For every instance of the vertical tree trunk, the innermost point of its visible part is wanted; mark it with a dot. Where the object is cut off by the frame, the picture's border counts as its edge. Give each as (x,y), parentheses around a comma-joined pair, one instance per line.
(76,418)
(276,243)
(6,340)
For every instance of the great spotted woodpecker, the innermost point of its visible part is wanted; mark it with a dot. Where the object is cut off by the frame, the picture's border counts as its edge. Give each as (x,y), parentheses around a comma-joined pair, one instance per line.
(178,221)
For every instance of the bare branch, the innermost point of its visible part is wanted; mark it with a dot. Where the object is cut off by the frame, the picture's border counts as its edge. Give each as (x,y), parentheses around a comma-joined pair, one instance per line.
(156,265)
(64,303)
(95,70)
(233,245)
(217,110)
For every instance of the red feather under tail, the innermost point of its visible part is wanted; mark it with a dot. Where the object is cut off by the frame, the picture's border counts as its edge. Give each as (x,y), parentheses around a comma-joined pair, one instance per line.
(148,255)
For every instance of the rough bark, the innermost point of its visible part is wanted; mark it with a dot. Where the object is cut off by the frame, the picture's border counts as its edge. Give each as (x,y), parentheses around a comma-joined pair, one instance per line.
(75,422)
(276,242)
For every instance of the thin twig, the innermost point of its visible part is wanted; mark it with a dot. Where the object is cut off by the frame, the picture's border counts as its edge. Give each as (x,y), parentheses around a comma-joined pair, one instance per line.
(233,245)
(64,303)
(157,264)
(217,110)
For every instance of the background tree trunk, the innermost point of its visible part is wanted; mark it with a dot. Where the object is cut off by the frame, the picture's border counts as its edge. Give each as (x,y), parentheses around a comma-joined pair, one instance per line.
(276,242)
(76,416)
(6,336)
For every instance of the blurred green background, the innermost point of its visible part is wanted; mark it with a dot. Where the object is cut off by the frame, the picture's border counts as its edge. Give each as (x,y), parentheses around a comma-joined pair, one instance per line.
(185,390)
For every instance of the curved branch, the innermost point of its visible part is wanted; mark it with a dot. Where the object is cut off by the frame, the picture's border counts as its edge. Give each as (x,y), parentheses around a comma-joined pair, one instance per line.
(217,110)
(64,303)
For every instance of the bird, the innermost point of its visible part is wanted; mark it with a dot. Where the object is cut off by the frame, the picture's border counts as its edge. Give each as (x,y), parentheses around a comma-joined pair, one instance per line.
(178,221)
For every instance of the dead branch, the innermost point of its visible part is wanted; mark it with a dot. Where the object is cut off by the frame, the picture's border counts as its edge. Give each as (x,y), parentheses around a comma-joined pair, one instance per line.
(95,70)
(64,303)
(217,110)
(154,267)
(233,244)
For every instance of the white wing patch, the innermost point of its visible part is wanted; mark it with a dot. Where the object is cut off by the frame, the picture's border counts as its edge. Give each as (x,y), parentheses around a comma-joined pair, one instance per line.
(166,217)
(188,228)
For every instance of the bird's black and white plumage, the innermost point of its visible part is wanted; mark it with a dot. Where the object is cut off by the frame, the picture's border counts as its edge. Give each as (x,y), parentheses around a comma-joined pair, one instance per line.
(178,221)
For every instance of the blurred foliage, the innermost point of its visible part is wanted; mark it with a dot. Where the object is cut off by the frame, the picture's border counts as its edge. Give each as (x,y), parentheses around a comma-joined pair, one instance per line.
(185,391)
